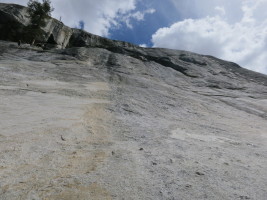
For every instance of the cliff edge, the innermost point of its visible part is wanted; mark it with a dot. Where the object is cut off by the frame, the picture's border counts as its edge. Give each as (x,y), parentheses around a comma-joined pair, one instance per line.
(13,18)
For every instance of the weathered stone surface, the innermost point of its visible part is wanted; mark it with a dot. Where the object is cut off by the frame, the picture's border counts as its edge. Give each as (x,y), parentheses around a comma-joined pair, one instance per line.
(13,12)
(82,38)
(13,18)
(117,123)
(106,119)
(59,32)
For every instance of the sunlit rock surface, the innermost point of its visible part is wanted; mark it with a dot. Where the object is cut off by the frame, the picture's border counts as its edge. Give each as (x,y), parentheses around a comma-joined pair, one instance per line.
(110,120)
(93,123)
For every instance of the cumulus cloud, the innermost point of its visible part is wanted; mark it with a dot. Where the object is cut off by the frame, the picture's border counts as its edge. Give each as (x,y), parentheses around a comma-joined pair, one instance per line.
(98,16)
(137,16)
(221,10)
(197,9)
(240,39)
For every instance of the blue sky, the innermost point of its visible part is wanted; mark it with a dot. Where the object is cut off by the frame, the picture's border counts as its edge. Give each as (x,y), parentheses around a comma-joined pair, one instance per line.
(234,30)
(141,31)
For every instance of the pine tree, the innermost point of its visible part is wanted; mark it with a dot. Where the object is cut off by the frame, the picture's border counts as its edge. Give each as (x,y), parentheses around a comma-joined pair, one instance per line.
(38,13)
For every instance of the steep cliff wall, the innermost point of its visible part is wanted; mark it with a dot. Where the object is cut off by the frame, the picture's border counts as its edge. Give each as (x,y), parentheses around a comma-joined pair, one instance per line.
(12,21)
(13,18)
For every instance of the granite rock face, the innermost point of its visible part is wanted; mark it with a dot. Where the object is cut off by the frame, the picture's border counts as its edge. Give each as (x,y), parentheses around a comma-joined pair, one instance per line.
(57,33)
(106,119)
(82,38)
(117,123)
(12,21)
(13,18)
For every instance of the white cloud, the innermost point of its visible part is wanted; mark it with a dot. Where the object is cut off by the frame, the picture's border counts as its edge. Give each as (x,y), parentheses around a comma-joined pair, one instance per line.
(242,40)
(203,8)
(138,16)
(98,16)
(143,45)
(221,10)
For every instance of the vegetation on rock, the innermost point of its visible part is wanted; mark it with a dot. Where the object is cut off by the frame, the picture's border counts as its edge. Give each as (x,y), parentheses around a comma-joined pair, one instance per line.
(38,13)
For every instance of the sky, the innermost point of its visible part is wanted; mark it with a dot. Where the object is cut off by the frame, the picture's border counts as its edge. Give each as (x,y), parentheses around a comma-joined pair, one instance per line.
(234,30)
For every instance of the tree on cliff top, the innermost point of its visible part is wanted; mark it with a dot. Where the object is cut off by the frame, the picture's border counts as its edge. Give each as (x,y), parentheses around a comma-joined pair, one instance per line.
(38,13)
